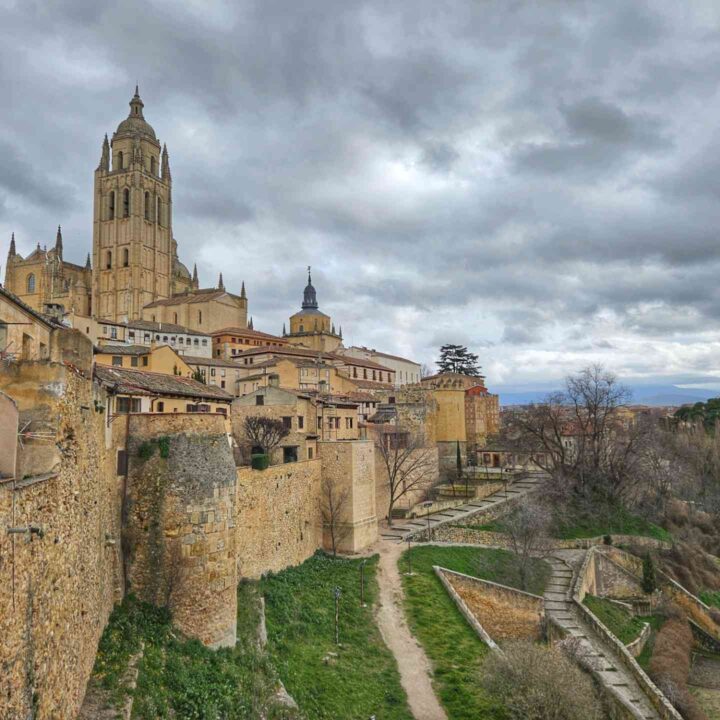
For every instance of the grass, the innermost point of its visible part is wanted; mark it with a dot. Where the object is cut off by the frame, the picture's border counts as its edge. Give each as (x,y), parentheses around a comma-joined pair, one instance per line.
(179,677)
(361,678)
(453,647)
(614,521)
(620,622)
(711,597)
(574,525)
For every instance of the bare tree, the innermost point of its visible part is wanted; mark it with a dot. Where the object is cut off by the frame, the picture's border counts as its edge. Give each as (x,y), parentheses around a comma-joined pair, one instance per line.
(527,527)
(333,503)
(408,463)
(264,432)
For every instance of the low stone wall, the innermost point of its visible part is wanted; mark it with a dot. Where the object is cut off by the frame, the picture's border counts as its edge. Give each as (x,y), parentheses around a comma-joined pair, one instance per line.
(636,647)
(504,612)
(464,609)
(278,516)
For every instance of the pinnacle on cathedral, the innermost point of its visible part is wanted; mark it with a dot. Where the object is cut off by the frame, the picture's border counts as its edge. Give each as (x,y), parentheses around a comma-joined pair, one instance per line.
(195,281)
(105,156)
(88,266)
(221,285)
(165,164)
(242,291)
(12,246)
(59,242)
(250,324)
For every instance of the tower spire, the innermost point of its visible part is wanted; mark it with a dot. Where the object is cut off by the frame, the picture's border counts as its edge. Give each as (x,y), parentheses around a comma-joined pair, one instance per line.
(59,242)
(12,246)
(88,266)
(284,330)
(105,155)
(221,286)
(195,282)
(309,295)
(250,324)
(136,105)
(165,164)
(242,291)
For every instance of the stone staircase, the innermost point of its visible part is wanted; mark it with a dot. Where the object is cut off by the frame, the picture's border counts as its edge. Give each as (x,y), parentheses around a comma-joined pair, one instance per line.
(405,529)
(608,666)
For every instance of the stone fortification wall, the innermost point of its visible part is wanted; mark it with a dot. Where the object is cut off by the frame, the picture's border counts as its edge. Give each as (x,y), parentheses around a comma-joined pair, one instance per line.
(57,588)
(278,517)
(350,467)
(179,537)
(504,612)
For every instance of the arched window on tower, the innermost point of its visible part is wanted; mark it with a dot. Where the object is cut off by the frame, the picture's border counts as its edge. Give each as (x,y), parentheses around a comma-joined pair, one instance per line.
(302,329)
(147,205)
(158,215)
(126,202)
(108,260)
(126,257)
(31,283)
(111,206)
(153,166)
(120,161)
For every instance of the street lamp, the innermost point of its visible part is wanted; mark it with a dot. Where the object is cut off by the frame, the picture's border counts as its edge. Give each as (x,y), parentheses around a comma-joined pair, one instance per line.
(362,583)
(337,592)
(427,505)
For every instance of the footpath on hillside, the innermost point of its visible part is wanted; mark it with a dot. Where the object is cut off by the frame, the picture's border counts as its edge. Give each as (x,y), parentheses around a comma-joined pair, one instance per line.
(413,663)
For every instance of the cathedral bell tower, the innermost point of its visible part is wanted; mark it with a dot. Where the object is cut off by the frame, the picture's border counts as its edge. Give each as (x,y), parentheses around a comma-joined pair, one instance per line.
(133,246)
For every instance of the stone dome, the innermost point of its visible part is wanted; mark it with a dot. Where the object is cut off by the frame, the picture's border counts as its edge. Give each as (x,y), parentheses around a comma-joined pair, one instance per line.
(135,124)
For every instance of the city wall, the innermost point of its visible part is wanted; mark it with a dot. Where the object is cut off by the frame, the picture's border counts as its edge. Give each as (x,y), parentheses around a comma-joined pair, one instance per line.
(58,583)
(179,534)
(278,517)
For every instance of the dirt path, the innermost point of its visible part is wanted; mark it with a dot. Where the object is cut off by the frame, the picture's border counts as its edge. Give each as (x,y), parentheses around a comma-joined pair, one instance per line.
(414,666)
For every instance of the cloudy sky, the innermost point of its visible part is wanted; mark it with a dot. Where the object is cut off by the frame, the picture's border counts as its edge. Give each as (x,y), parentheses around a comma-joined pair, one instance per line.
(537,180)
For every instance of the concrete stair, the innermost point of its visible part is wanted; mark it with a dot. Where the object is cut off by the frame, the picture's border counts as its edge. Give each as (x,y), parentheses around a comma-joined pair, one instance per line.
(610,671)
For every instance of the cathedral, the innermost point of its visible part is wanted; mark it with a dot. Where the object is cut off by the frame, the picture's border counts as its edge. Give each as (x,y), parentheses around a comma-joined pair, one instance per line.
(135,273)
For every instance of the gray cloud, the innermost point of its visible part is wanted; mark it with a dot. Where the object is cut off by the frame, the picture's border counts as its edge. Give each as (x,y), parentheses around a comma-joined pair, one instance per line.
(537,180)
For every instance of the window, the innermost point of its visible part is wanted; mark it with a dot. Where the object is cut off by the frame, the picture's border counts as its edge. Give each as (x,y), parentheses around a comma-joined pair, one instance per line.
(199,317)
(175,318)
(181,339)
(122,462)
(126,257)
(290,454)
(134,361)
(111,206)
(145,360)
(222,372)
(221,410)
(160,406)
(301,422)
(125,405)
(117,361)
(212,372)
(158,212)
(31,283)
(126,202)
(260,400)
(287,423)
(374,378)
(147,337)
(113,332)
(310,453)
(147,205)
(108,260)
(301,328)
(196,343)
(364,374)
(191,408)
(348,423)
(203,408)
(222,384)
(131,334)
(204,342)
(354,372)
(120,161)
(153,166)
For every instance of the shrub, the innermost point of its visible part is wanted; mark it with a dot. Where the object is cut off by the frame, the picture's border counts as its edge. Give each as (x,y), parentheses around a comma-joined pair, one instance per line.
(260,461)
(146,450)
(164,445)
(607,539)
(540,682)
(670,665)
(649,581)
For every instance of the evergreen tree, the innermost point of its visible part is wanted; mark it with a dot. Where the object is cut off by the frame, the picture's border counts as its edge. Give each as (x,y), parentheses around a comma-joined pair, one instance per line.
(649,581)
(458,359)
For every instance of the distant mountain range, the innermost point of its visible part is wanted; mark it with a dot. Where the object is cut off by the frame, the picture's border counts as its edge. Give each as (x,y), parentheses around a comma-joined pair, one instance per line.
(641,395)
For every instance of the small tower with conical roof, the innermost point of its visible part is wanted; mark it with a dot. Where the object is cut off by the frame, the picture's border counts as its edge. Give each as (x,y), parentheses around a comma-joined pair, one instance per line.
(134,257)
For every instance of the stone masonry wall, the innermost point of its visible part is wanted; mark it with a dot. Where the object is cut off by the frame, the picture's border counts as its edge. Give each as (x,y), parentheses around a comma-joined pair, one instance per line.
(180,533)
(505,613)
(278,518)
(350,467)
(56,589)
